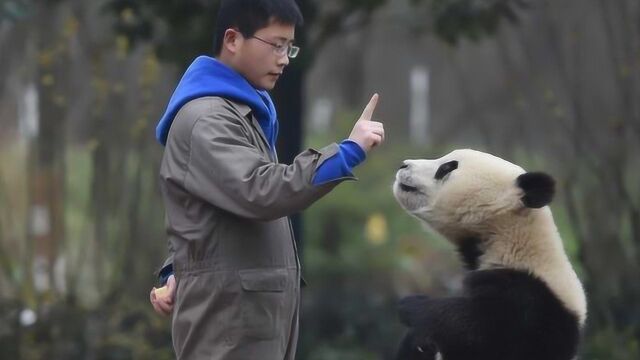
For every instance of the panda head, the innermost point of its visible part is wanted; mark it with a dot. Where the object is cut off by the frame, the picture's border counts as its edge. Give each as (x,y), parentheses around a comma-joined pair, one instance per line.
(468,193)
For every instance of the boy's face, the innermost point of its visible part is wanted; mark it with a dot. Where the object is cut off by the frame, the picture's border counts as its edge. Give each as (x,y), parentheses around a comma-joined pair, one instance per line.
(257,60)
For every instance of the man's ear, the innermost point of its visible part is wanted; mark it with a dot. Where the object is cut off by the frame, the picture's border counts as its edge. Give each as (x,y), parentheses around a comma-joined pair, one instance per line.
(232,39)
(538,189)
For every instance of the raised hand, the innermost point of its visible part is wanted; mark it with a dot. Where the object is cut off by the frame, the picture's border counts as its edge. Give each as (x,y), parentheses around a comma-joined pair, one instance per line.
(366,133)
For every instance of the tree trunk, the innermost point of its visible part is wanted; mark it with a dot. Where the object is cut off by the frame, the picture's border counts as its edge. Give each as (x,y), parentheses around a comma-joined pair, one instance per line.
(47,148)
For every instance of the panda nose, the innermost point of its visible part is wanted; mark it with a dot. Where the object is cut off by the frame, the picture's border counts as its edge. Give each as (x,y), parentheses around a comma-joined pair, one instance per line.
(404,165)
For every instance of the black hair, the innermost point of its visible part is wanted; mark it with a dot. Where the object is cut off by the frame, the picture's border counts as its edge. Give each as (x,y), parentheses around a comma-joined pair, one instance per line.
(249,16)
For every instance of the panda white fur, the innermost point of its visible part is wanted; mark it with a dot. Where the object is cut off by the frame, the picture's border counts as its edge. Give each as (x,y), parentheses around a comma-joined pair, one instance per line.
(521,300)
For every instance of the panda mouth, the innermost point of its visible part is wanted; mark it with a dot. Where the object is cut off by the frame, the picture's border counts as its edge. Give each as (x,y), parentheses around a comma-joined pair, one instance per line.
(408,188)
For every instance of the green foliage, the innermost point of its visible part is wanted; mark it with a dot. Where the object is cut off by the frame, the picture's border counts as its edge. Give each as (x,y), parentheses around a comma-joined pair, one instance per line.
(13,215)
(180,29)
(456,19)
(134,331)
(611,344)
(184,29)
(122,329)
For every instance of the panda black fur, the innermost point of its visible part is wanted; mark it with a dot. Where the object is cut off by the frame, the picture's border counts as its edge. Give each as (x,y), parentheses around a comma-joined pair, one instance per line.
(522,300)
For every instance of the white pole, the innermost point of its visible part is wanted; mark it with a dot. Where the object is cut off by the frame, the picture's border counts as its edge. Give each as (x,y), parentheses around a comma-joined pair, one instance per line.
(419,110)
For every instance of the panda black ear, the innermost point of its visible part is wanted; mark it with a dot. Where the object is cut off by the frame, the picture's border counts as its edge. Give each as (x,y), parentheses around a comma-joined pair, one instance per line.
(538,188)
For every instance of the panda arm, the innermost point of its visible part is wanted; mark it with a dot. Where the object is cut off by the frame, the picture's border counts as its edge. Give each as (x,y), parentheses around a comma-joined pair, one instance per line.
(448,322)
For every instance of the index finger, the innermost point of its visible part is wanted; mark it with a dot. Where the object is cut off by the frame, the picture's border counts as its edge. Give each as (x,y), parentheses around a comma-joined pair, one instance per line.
(371,106)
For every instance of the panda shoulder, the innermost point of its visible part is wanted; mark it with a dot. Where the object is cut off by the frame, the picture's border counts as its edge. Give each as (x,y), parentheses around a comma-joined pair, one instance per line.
(501,282)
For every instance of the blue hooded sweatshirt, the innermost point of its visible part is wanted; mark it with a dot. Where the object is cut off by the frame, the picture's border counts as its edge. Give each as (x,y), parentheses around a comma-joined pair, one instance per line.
(207,76)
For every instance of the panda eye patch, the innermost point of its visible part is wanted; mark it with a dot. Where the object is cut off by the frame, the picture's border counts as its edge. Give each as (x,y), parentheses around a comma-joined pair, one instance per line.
(446,168)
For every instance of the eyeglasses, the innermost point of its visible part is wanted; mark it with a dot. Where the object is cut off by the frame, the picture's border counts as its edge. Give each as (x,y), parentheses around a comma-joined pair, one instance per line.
(281,49)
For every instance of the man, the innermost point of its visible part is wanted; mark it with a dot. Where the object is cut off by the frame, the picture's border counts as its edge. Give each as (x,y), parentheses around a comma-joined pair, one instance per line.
(233,275)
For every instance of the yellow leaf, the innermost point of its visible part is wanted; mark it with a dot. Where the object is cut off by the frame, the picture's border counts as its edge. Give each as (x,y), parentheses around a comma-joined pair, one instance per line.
(376,229)
(122,46)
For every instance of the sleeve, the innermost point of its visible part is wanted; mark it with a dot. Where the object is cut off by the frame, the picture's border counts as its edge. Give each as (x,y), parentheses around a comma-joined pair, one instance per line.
(165,272)
(350,155)
(166,269)
(225,169)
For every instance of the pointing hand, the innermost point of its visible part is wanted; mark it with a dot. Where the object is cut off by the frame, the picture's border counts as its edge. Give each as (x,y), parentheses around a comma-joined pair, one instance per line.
(366,133)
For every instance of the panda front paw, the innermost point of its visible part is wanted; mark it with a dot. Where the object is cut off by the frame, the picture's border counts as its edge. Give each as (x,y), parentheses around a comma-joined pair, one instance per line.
(416,346)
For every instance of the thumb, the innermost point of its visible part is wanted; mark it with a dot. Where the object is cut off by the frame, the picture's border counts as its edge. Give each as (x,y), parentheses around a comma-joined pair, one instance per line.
(371,106)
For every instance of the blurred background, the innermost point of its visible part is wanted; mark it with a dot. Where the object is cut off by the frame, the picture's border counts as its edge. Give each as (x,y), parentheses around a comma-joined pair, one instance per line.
(550,85)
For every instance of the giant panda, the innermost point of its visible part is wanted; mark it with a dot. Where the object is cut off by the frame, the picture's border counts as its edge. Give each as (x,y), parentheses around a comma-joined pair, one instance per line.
(521,298)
